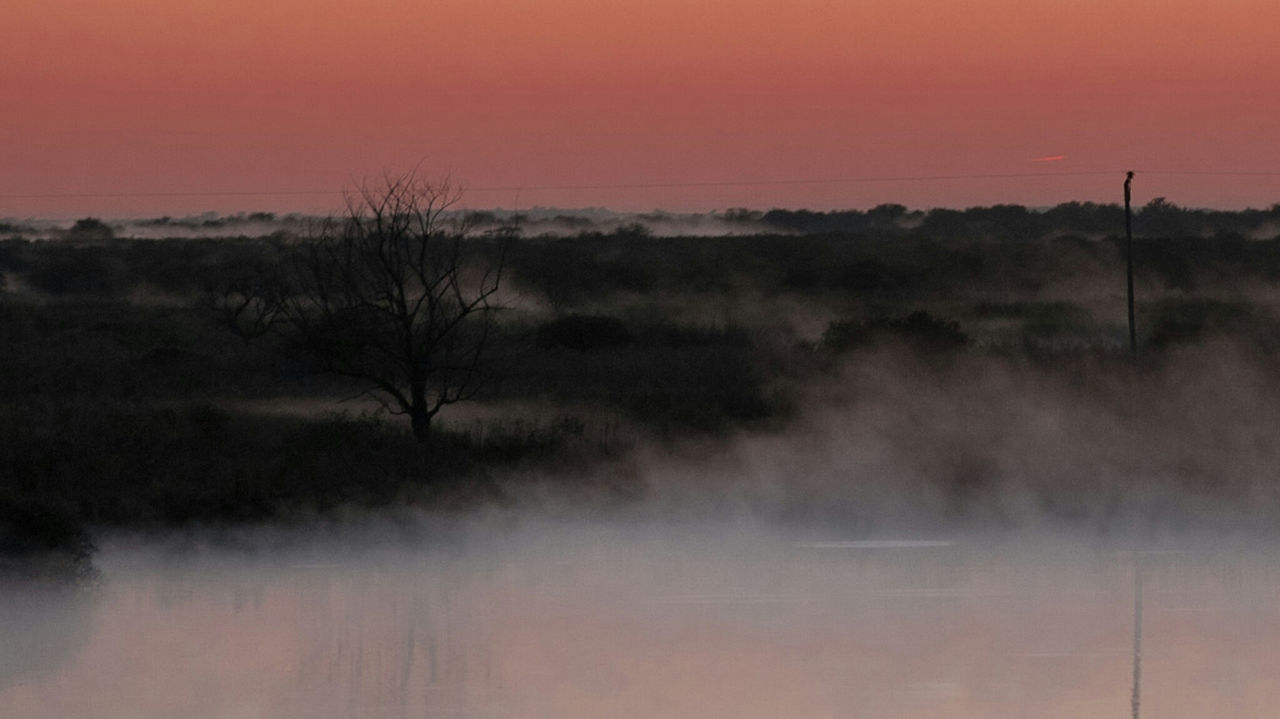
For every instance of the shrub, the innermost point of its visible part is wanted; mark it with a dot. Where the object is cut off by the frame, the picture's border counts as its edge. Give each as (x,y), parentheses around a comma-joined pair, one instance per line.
(90,229)
(79,270)
(919,330)
(584,333)
(32,527)
(1176,322)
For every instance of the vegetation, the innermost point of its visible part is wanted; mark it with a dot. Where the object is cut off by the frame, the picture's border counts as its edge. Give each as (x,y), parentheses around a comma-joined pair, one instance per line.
(388,296)
(919,330)
(142,380)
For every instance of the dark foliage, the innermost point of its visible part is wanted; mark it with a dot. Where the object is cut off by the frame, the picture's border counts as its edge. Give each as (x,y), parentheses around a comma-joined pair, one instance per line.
(918,330)
(89,270)
(72,466)
(116,383)
(90,229)
(1178,322)
(1042,321)
(32,527)
(583,333)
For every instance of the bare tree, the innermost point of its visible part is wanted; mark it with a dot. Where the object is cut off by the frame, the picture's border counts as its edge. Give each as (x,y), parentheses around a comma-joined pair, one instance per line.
(393,294)
(245,293)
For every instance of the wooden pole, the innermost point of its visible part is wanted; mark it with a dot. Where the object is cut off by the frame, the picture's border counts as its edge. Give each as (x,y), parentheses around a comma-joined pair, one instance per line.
(1128,233)
(1135,700)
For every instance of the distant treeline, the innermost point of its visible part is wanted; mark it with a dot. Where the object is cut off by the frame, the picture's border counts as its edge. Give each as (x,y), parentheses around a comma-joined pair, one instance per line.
(888,252)
(1157,218)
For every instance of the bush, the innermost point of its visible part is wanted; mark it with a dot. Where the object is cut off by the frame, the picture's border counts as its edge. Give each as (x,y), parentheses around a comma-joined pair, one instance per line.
(920,331)
(32,527)
(90,229)
(79,270)
(1043,321)
(1177,322)
(584,333)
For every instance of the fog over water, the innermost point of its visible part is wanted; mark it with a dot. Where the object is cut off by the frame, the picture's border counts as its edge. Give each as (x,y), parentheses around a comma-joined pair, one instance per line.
(960,542)
(949,535)
(506,617)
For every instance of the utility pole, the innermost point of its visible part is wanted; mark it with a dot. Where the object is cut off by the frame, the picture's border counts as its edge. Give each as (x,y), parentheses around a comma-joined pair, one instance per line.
(1128,233)
(1135,700)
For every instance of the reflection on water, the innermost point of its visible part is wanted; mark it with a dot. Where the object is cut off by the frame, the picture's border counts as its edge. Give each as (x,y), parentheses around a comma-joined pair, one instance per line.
(648,622)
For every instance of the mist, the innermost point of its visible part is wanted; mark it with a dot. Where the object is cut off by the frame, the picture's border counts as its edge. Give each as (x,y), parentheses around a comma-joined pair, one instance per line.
(897,445)
(883,463)
(533,616)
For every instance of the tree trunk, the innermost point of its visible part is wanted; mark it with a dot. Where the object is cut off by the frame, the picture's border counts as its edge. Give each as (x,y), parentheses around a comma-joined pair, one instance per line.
(421,422)
(418,414)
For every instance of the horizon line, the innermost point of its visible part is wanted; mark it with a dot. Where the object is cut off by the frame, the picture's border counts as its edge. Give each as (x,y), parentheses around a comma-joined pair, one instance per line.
(652,185)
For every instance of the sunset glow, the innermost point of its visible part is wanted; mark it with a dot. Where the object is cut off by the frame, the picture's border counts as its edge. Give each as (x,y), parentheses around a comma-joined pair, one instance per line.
(139,96)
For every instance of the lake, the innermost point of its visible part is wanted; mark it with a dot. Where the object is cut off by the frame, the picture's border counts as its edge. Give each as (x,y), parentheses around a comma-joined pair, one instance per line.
(644,619)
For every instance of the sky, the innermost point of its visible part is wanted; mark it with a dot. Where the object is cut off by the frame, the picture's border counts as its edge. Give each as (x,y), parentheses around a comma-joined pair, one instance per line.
(631,105)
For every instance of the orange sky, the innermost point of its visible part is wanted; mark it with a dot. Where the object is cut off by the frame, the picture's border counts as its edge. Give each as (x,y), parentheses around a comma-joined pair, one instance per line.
(142,96)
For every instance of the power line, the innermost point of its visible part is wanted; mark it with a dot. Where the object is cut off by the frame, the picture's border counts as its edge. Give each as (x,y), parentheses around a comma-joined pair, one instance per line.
(1217,173)
(822,181)
(657,185)
(110,195)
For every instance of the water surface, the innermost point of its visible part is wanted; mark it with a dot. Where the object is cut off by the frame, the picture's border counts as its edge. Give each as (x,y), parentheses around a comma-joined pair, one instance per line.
(646,620)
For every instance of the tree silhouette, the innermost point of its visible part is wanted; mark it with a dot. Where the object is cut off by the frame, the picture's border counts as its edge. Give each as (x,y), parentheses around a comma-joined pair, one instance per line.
(394,294)
(90,229)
